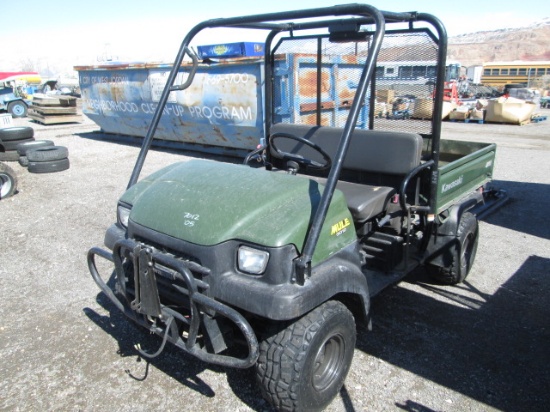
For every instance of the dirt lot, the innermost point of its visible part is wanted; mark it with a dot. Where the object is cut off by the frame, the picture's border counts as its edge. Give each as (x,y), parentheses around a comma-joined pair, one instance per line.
(483,345)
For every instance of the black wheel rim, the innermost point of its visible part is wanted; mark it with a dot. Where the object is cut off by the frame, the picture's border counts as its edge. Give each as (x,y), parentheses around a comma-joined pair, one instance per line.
(328,363)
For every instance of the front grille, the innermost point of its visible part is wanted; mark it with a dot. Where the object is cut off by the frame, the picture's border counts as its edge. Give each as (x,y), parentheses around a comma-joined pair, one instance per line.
(168,296)
(176,254)
(170,280)
(173,291)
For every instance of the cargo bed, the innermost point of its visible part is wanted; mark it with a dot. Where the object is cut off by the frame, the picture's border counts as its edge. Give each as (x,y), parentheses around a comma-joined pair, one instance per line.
(463,167)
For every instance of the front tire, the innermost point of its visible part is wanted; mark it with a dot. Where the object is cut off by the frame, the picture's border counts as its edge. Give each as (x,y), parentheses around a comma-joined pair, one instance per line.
(303,365)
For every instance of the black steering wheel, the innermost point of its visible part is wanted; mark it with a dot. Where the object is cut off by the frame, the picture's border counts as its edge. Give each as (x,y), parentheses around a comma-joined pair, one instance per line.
(327,161)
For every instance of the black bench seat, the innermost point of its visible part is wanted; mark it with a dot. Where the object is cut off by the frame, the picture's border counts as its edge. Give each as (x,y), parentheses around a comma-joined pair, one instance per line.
(378,161)
(364,201)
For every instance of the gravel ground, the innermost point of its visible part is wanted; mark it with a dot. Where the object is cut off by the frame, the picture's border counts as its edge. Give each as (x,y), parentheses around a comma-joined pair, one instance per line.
(480,346)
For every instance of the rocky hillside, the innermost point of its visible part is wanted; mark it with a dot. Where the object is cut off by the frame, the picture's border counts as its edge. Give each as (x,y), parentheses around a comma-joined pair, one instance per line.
(525,43)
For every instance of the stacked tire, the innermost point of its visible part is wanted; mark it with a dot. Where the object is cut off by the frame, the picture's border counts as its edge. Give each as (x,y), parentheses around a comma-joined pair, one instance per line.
(39,156)
(48,159)
(23,148)
(10,138)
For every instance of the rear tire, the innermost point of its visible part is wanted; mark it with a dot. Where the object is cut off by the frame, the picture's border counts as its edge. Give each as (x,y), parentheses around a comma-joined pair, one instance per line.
(303,365)
(8,181)
(463,256)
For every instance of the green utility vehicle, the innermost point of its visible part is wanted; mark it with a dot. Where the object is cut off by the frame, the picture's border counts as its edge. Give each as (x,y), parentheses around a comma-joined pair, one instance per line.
(271,263)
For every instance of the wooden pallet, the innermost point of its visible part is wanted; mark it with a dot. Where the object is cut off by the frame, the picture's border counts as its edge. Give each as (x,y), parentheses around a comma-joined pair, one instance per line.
(54,109)
(538,118)
(518,123)
(42,100)
(53,119)
(468,120)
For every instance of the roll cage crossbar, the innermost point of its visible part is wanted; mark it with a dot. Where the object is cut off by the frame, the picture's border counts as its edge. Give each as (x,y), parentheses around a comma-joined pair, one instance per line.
(277,23)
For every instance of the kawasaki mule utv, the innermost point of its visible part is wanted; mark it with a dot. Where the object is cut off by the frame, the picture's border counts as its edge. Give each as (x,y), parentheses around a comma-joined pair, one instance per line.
(271,263)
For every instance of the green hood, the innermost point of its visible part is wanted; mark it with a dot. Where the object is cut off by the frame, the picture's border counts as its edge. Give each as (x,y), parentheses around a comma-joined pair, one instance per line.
(207,202)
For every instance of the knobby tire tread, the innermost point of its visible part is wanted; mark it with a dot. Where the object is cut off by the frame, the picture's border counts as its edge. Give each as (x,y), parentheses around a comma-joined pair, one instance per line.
(283,353)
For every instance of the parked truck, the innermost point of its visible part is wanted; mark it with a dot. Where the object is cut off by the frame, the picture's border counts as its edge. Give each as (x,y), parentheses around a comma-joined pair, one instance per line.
(13,97)
(12,101)
(273,263)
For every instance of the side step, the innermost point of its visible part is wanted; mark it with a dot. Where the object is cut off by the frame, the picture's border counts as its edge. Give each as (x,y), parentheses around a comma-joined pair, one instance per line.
(383,251)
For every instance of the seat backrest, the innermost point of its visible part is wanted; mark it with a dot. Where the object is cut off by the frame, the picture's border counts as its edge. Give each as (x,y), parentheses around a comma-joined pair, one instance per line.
(370,151)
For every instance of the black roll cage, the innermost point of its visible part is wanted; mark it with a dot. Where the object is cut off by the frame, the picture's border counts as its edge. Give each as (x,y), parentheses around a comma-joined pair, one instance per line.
(277,23)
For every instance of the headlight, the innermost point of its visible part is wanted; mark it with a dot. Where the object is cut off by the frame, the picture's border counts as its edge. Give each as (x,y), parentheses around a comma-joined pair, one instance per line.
(252,261)
(123,214)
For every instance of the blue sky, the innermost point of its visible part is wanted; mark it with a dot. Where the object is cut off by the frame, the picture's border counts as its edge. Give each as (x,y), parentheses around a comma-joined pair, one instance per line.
(63,33)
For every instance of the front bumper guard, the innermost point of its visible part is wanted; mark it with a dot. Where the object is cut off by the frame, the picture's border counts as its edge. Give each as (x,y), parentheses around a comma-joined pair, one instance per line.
(147,311)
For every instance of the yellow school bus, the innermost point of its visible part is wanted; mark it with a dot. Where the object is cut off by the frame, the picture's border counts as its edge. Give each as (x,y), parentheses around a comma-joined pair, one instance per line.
(527,73)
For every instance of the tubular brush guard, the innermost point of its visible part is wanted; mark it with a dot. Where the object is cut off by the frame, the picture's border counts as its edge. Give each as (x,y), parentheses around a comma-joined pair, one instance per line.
(147,310)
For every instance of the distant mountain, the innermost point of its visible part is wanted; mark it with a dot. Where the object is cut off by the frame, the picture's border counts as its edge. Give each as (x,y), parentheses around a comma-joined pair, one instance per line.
(524,43)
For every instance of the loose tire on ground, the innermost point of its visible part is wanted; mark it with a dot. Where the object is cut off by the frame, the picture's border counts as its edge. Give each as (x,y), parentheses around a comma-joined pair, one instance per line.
(8,181)
(303,365)
(49,166)
(463,254)
(46,154)
(23,148)
(16,133)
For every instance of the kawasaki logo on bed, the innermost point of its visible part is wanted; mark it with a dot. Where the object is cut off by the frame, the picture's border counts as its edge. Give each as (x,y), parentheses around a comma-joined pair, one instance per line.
(448,186)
